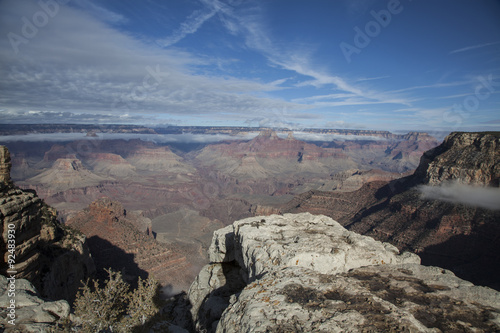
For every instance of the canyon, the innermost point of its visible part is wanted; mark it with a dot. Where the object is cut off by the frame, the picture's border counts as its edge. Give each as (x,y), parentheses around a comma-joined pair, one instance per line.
(354,263)
(182,192)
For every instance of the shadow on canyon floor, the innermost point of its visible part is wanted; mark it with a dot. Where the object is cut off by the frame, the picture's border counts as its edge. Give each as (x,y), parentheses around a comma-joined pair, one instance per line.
(106,255)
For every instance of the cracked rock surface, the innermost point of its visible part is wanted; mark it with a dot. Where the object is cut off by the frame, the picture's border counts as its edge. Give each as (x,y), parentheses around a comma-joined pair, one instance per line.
(306,273)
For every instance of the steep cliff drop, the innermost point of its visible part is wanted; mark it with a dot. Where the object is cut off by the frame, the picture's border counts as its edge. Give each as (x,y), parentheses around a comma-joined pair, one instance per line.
(306,273)
(53,258)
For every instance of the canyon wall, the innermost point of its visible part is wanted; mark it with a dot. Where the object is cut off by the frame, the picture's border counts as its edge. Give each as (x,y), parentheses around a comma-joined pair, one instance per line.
(468,158)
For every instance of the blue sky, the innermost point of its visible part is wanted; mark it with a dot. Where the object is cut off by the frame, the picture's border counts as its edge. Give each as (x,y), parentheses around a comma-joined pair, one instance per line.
(367,64)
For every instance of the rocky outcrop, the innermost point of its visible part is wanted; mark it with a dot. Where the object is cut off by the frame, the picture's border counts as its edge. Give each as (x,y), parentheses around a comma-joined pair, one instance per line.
(54,258)
(468,158)
(306,273)
(5,166)
(31,313)
(352,180)
(458,235)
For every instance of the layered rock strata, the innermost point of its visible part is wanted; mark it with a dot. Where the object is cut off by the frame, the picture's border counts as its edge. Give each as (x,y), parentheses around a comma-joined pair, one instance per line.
(468,158)
(53,257)
(5,166)
(306,273)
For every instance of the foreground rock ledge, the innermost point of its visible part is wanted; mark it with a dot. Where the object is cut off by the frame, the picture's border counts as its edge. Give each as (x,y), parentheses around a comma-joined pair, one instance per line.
(32,313)
(306,273)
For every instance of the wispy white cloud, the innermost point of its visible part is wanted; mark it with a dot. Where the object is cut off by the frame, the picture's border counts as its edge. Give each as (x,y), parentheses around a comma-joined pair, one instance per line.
(192,23)
(299,60)
(157,138)
(406,110)
(473,47)
(101,12)
(372,78)
(433,86)
(350,102)
(485,197)
(56,73)
(453,96)
(323,97)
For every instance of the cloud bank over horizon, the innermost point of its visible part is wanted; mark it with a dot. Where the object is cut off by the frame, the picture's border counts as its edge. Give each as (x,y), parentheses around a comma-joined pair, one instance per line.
(156,138)
(178,138)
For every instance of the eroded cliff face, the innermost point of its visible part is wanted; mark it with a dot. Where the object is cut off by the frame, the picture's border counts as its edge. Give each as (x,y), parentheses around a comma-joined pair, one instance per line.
(306,273)
(52,257)
(434,212)
(468,158)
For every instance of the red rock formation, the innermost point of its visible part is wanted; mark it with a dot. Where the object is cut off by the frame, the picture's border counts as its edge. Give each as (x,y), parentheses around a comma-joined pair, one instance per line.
(268,145)
(268,156)
(115,242)
(56,152)
(396,154)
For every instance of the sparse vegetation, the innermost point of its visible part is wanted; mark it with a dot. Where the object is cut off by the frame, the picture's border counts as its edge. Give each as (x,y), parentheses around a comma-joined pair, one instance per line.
(113,306)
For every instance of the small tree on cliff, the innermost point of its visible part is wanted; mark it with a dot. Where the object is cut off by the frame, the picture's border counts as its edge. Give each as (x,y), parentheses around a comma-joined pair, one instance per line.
(114,307)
